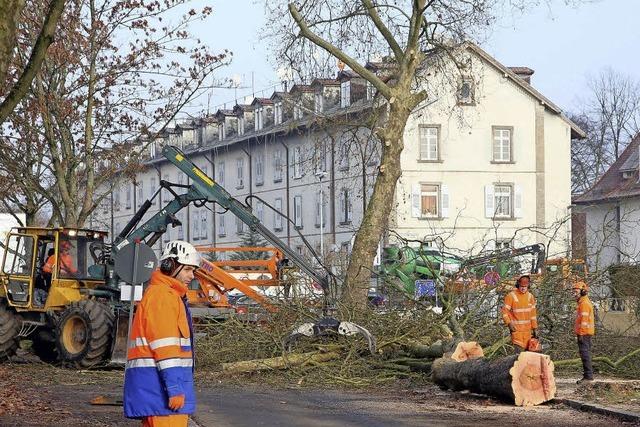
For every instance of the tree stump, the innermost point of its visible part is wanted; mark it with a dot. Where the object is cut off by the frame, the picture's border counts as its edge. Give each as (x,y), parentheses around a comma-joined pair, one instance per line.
(526,379)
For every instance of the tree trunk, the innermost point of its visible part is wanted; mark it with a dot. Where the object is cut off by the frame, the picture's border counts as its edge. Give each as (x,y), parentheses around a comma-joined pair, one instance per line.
(9,14)
(525,379)
(278,362)
(376,217)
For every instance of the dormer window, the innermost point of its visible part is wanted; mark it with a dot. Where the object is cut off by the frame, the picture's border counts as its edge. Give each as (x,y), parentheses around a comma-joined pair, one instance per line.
(345,94)
(297,110)
(241,122)
(259,118)
(627,174)
(221,132)
(466,92)
(277,113)
(318,102)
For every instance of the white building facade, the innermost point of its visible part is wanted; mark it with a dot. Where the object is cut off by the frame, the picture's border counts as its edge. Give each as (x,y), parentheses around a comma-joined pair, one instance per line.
(486,164)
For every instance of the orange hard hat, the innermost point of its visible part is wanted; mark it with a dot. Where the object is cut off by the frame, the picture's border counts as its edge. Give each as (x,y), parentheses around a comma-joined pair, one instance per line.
(581,286)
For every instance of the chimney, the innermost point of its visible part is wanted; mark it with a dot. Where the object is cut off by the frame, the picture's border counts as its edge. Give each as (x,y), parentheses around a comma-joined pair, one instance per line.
(524,73)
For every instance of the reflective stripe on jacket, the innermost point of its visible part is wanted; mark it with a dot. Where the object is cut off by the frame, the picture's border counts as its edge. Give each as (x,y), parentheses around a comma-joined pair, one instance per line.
(585,319)
(520,309)
(160,359)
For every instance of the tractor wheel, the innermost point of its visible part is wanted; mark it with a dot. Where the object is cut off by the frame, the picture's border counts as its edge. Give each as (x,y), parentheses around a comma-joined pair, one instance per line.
(9,329)
(84,334)
(44,345)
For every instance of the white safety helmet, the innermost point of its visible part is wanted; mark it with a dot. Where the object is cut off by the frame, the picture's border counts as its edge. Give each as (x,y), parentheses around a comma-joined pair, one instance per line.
(183,252)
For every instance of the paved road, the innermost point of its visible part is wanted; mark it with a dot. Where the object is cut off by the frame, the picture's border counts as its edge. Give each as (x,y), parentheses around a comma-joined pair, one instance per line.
(239,407)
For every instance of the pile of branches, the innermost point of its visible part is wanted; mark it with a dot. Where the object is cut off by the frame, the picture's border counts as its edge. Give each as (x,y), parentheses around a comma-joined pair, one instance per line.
(240,348)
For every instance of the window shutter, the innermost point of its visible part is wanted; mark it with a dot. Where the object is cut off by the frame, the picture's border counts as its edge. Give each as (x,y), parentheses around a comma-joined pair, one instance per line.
(517,204)
(444,193)
(415,201)
(489,201)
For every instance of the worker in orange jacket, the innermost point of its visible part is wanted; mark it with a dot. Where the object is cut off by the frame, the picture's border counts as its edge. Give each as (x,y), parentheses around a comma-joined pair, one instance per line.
(584,328)
(158,385)
(519,314)
(66,261)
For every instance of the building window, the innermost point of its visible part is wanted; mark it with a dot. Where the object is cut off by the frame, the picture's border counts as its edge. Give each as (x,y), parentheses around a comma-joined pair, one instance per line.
(429,196)
(502,139)
(321,208)
(466,92)
(371,91)
(259,118)
(140,194)
(116,199)
(277,218)
(345,206)
(297,162)
(239,225)
(277,112)
(430,200)
(195,226)
(105,206)
(344,156)
(204,229)
(221,131)
(321,157)
(297,211)
(503,244)
(277,166)
(260,211)
(128,196)
(240,173)
(153,189)
(318,102)
(181,226)
(260,169)
(153,150)
(297,111)
(222,232)
(503,196)
(345,94)
(429,143)
(220,173)
(241,122)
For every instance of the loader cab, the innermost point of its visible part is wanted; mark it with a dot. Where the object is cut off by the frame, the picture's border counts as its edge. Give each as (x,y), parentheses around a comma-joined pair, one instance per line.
(46,268)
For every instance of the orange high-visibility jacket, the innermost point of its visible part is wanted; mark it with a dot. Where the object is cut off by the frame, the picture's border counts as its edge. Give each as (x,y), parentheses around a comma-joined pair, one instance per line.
(160,357)
(585,319)
(66,264)
(520,309)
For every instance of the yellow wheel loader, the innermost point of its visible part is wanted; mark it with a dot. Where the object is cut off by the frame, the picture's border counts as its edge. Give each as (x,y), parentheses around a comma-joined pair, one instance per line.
(52,292)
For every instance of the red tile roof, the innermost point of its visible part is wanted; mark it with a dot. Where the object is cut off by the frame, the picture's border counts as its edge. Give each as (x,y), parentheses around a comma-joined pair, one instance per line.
(611,185)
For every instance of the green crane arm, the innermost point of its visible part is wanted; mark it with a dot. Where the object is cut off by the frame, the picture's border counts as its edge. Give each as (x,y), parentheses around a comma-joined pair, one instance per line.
(203,187)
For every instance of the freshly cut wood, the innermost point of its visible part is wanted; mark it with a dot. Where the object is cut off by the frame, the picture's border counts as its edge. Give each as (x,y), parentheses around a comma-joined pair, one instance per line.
(526,379)
(466,350)
(281,362)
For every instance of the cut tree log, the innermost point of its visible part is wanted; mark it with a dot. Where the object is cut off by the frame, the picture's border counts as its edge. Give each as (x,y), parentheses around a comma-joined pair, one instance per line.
(466,350)
(526,379)
(435,350)
(282,362)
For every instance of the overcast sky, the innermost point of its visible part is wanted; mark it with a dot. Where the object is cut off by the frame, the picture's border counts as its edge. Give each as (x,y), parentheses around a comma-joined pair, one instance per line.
(564,46)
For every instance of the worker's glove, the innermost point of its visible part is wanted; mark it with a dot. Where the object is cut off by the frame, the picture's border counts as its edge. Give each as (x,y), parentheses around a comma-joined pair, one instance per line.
(512,327)
(534,333)
(176,402)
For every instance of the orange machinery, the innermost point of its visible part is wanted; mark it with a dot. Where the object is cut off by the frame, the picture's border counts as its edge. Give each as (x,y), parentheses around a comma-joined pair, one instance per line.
(217,278)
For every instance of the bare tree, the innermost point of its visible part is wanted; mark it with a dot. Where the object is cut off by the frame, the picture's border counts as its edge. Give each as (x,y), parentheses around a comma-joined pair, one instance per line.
(10,11)
(611,118)
(412,36)
(117,74)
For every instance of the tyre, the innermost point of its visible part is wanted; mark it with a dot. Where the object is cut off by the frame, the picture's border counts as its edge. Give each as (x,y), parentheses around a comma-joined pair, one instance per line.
(44,345)
(84,334)
(9,329)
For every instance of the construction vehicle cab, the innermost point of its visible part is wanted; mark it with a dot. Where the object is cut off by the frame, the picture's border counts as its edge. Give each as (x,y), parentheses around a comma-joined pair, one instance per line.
(52,292)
